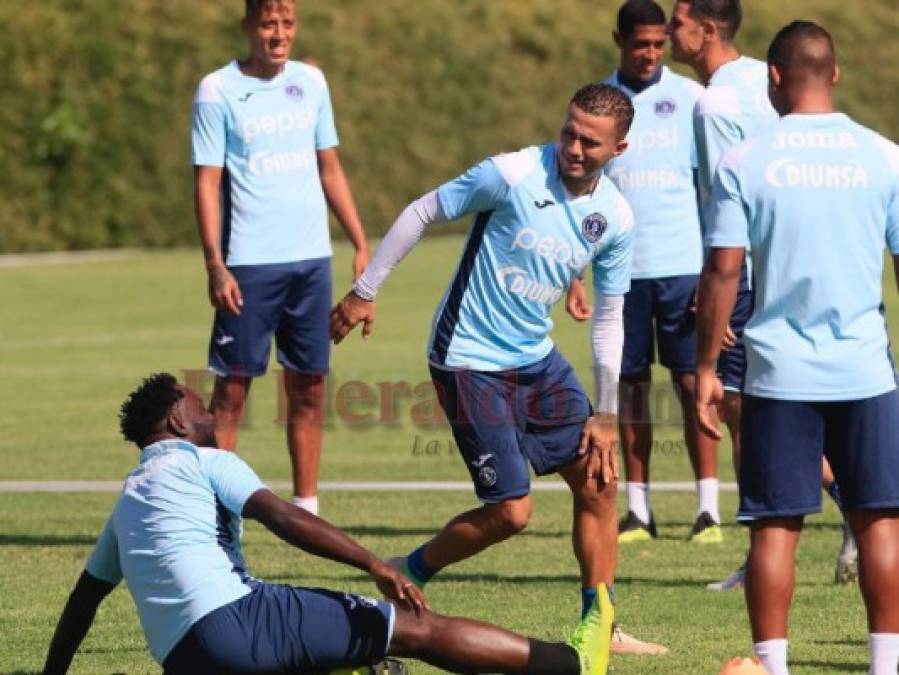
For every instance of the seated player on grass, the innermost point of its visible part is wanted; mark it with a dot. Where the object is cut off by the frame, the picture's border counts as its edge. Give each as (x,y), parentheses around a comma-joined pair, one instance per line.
(174,537)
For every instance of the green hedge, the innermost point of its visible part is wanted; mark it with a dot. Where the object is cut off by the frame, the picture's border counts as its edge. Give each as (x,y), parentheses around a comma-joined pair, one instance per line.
(94,125)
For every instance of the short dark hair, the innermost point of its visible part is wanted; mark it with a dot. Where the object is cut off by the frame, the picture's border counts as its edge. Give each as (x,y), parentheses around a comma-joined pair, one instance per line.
(635,13)
(728,14)
(147,406)
(804,50)
(604,100)
(253,8)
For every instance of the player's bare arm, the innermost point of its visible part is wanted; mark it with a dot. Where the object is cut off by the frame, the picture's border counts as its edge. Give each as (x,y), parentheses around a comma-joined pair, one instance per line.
(717,296)
(577,305)
(224,292)
(316,536)
(340,198)
(896,269)
(75,621)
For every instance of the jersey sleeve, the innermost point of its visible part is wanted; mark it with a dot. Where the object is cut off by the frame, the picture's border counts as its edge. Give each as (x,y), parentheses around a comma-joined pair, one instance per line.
(208,125)
(891,153)
(103,562)
(728,222)
(612,265)
(232,479)
(325,127)
(715,134)
(481,188)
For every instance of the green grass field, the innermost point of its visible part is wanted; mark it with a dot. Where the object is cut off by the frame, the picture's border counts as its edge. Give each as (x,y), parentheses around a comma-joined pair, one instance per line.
(77,337)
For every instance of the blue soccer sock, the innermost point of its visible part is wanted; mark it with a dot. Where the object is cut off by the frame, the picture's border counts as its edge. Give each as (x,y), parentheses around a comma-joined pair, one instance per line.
(588,598)
(415,563)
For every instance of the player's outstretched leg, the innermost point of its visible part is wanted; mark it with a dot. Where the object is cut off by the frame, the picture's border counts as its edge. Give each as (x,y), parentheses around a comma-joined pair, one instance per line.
(465,535)
(464,646)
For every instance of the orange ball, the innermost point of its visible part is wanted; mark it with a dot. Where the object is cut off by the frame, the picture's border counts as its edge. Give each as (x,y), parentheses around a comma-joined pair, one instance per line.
(741,666)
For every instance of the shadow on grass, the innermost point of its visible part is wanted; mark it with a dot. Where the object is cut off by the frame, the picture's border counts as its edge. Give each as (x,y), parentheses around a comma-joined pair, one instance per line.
(831,666)
(47,540)
(387,531)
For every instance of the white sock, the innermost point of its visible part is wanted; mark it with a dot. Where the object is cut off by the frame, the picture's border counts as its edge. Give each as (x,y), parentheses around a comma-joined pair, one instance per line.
(773,655)
(884,653)
(638,500)
(309,504)
(708,498)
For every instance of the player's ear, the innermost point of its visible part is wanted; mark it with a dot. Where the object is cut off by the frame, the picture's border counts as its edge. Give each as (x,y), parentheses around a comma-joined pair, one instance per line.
(619,41)
(774,76)
(176,423)
(709,29)
(836,75)
(620,147)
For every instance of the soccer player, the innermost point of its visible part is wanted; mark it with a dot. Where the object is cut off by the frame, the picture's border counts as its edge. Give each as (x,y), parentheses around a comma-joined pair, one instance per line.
(541,216)
(733,107)
(266,162)
(817,196)
(174,537)
(657,177)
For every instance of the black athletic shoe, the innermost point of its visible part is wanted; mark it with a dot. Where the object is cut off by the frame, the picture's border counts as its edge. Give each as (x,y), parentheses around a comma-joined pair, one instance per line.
(631,529)
(706,530)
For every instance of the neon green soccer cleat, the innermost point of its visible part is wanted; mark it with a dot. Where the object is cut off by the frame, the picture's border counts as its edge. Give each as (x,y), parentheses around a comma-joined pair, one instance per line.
(592,639)
(706,530)
(631,529)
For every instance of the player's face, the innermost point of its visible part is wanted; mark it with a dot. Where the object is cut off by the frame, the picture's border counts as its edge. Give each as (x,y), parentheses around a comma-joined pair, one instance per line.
(642,51)
(271,33)
(687,37)
(586,144)
(199,421)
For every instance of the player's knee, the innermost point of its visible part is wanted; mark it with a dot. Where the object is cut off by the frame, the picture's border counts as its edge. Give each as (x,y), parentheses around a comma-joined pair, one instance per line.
(510,517)
(413,633)
(602,500)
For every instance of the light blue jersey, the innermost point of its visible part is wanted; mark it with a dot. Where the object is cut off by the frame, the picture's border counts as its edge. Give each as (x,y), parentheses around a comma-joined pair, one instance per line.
(174,534)
(733,108)
(528,240)
(818,197)
(265,133)
(656,176)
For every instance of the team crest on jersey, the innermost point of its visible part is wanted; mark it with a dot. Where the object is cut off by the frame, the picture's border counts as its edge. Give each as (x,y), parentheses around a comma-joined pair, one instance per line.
(294,91)
(594,226)
(666,108)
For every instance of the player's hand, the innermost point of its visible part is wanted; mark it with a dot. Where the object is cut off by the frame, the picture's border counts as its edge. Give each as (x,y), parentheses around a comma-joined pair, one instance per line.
(224,292)
(709,395)
(348,313)
(730,338)
(397,587)
(577,304)
(360,262)
(599,439)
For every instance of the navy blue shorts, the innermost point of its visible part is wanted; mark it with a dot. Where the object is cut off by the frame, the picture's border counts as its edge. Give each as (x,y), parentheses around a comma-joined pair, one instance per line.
(732,363)
(783,442)
(501,420)
(291,301)
(282,629)
(667,301)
